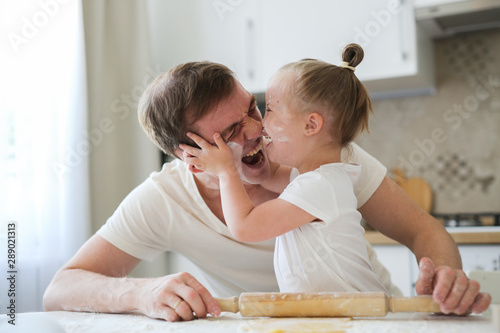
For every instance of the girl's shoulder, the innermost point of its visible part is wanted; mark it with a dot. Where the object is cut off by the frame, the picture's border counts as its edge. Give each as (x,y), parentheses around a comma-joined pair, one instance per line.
(350,170)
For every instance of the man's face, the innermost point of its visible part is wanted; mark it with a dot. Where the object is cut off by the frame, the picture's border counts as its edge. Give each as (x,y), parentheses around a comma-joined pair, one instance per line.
(239,121)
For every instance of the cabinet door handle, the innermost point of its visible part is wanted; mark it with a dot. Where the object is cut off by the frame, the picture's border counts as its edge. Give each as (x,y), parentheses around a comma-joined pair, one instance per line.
(403,28)
(250,49)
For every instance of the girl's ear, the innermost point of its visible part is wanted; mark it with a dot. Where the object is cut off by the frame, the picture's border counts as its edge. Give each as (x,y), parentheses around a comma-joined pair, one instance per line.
(314,123)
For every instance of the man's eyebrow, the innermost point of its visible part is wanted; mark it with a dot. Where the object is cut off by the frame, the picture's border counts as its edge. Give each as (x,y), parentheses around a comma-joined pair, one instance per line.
(233,125)
(252,103)
(229,128)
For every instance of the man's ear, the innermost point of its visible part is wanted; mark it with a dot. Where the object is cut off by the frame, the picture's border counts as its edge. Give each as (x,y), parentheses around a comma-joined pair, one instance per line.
(182,155)
(193,169)
(314,123)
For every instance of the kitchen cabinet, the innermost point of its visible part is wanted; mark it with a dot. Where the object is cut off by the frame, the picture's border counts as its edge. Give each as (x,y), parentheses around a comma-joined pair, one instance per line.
(399,262)
(479,248)
(230,34)
(223,31)
(398,57)
(256,37)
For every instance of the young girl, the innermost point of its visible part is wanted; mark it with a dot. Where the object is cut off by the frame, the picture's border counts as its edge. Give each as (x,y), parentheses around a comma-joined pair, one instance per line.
(314,110)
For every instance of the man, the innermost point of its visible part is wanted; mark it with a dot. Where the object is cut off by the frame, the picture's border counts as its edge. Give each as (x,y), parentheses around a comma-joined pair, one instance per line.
(179,209)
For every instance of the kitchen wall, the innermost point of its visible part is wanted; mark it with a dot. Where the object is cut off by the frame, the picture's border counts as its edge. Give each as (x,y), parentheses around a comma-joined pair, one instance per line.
(451,139)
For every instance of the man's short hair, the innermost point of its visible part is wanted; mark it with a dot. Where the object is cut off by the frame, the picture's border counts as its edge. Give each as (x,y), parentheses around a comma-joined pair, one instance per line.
(179,97)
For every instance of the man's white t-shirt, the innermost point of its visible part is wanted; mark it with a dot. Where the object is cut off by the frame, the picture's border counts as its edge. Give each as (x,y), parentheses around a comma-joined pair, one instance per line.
(328,254)
(167,213)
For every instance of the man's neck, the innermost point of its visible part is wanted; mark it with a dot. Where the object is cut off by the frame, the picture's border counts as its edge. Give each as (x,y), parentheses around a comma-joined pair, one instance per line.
(207,183)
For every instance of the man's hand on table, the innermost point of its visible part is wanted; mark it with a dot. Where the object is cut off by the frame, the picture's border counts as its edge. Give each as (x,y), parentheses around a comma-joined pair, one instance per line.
(451,289)
(175,297)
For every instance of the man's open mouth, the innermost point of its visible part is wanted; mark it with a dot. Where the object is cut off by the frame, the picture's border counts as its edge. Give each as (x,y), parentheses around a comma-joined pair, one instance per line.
(255,156)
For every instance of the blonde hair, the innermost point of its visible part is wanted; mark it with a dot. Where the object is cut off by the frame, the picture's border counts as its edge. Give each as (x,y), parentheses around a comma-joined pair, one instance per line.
(176,99)
(333,89)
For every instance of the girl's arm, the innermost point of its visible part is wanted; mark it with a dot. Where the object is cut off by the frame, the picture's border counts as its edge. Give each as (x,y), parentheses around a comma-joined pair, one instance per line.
(247,222)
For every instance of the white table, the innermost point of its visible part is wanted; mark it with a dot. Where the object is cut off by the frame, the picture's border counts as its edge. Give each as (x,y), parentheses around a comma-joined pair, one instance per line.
(78,322)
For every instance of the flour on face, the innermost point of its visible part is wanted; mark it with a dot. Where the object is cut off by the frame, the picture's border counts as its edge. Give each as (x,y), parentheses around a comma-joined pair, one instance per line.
(277,127)
(236,148)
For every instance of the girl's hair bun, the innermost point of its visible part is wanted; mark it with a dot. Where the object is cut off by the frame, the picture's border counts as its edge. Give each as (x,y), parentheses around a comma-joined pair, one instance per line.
(353,54)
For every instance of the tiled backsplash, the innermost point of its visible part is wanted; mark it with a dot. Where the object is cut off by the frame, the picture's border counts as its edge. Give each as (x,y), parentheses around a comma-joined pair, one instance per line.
(451,139)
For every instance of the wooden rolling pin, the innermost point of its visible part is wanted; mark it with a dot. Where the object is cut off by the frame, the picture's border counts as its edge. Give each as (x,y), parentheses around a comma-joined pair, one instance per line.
(324,304)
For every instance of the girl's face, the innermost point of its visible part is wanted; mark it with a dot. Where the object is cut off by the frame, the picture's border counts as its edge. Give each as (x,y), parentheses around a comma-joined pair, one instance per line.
(283,123)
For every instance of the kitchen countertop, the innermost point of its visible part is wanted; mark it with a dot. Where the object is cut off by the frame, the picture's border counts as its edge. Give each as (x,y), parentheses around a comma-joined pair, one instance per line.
(78,322)
(461,235)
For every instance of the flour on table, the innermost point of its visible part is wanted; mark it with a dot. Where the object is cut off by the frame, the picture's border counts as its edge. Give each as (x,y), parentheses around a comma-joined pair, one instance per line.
(296,325)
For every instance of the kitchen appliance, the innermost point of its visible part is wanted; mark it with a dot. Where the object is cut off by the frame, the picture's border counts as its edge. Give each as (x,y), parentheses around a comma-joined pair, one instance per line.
(484,219)
(446,17)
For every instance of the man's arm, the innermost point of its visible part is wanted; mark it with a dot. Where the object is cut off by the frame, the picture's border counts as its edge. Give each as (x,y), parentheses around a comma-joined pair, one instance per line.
(390,211)
(94,280)
(393,213)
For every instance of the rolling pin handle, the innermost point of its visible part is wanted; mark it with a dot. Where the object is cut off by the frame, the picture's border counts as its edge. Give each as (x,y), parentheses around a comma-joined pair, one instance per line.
(228,304)
(414,304)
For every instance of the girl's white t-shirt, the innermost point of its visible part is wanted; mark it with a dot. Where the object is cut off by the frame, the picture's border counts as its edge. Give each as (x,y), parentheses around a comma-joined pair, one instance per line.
(329,254)
(167,213)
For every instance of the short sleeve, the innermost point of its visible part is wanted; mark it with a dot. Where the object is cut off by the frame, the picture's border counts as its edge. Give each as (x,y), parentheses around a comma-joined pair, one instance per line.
(372,173)
(314,193)
(135,226)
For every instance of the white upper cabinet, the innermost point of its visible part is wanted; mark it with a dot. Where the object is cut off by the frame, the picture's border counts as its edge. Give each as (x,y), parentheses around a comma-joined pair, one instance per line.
(321,28)
(230,34)
(256,37)
(224,31)
(396,61)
